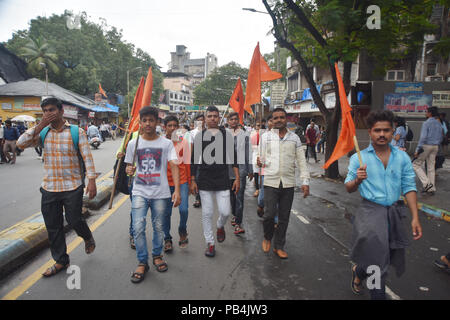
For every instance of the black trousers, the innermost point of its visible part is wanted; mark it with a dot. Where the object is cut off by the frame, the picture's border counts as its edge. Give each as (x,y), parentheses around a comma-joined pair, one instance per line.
(375,294)
(277,200)
(311,150)
(256,175)
(52,205)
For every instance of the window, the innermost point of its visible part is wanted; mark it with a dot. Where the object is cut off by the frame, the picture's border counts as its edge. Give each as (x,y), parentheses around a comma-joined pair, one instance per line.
(171,95)
(395,75)
(293,83)
(431,69)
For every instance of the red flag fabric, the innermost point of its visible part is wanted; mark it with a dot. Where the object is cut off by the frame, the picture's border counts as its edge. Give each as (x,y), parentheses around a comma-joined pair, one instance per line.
(137,105)
(237,100)
(100,89)
(345,142)
(147,97)
(259,71)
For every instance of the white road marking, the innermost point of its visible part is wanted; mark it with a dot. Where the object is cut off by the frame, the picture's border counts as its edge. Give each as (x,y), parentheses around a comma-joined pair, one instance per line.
(390,293)
(300,217)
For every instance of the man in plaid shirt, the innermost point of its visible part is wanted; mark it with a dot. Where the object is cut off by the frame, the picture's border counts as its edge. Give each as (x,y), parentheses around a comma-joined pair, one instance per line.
(63,184)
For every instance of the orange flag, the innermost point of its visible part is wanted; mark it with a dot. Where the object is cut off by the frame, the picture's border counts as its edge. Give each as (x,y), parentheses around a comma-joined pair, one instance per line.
(237,100)
(147,97)
(137,105)
(345,142)
(259,71)
(100,89)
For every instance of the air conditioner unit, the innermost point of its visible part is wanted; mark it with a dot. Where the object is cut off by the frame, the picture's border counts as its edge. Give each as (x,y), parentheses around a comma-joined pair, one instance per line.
(434,78)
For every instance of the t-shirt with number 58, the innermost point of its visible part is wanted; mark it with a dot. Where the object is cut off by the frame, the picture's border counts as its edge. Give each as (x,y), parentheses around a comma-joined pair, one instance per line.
(152,157)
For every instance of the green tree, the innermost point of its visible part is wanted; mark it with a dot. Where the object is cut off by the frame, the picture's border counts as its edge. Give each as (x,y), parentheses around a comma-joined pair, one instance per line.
(95,53)
(37,51)
(219,85)
(323,32)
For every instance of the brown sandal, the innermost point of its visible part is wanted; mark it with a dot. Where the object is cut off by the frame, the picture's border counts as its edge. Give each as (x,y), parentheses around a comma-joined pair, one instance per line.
(161,267)
(89,246)
(54,270)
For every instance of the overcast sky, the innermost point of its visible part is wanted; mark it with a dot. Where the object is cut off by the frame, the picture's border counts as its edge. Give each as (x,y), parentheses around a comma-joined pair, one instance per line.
(157,26)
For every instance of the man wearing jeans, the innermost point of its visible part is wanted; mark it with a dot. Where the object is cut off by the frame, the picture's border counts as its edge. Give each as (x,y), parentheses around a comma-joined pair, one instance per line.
(212,153)
(171,124)
(150,189)
(431,136)
(281,150)
(244,155)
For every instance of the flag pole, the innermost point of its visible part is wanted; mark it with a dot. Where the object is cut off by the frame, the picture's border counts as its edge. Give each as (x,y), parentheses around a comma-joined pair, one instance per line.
(224,113)
(116,174)
(260,145)
(358,151)
(134,153)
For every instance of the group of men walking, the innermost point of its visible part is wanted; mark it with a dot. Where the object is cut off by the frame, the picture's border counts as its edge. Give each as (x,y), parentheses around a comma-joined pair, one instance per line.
(215,162)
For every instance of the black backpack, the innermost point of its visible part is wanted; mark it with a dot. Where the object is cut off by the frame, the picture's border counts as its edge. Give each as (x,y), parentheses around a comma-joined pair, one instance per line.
(409,134)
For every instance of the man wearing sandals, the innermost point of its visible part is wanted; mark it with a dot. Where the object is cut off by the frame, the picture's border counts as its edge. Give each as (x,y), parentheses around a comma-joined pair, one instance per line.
(379,234)
(172,125)
(150,188)
(244,154)
(63,180)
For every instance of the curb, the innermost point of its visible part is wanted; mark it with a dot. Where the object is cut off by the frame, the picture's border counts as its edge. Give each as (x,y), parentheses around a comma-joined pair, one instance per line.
(22,240)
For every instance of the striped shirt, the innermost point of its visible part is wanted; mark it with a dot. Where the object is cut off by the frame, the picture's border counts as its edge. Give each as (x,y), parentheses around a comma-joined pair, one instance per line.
(62,171)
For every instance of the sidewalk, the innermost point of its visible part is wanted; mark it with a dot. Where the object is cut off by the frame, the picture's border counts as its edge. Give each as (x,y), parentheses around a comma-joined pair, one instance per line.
(437,205)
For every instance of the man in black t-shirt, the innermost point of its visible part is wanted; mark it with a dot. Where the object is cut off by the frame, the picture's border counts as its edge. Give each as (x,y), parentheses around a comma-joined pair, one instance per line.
(212,153)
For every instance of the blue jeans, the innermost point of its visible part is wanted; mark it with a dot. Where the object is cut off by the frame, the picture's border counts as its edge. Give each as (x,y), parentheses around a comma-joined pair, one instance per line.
(139,208)
(237,201)
(183,208)
(261,193)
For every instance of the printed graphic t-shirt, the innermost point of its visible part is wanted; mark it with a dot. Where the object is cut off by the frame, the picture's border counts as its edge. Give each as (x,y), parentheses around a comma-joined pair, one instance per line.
(152,159)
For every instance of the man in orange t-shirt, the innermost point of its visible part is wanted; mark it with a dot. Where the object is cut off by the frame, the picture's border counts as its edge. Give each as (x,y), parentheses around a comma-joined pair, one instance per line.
(181,146)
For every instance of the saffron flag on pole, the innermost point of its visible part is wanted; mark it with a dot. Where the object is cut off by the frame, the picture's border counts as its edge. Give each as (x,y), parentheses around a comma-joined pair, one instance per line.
(259,72)
(237,100)
(137,104)
(148,88)
(345,142)
(100,89)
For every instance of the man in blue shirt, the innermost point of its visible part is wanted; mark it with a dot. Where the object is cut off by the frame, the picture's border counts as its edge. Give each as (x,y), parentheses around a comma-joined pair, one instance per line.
(431,136)
(10,134)
(379,236)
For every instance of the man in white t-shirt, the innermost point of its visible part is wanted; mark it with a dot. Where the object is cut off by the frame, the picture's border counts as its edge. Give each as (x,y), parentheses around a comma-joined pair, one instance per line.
(151,188)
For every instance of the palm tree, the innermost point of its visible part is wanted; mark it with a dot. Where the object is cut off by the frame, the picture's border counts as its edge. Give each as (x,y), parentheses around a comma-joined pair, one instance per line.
(38,51)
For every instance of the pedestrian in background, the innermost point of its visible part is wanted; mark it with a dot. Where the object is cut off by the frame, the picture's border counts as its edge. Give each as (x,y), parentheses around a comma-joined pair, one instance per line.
(10,136)
(260,205)
(244,155)
(281,151)
(379,236)
(312,133)
(66,162)
(255,136)
(2,141)
(431,136)
(399,139)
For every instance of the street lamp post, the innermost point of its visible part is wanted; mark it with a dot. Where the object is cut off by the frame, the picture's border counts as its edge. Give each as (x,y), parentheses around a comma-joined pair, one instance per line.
(46,75)
(128,89)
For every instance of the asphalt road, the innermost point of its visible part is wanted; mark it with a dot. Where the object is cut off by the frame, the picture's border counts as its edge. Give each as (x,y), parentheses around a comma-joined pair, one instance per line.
(318,266)
(20,183)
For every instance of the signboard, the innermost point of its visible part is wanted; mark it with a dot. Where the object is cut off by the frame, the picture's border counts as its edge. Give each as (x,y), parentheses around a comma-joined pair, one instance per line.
(409,87)
(70,112)
(441,99)
(407,102)
(6,106)
(18,103)
(31,107)
(91,114)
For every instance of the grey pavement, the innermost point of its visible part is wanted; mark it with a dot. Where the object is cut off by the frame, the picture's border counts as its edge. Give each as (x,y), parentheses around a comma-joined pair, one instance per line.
(318,267)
